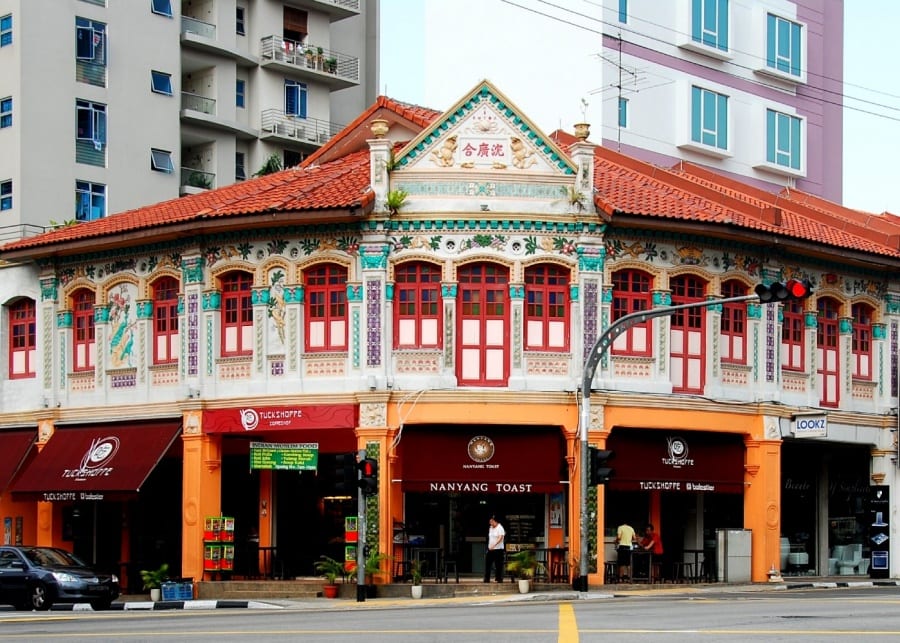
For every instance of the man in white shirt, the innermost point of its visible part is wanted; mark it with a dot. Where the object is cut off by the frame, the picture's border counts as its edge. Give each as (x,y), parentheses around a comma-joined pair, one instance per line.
(495,550)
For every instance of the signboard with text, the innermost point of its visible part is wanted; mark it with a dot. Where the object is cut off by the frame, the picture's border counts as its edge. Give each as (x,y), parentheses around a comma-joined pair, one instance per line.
(284,456)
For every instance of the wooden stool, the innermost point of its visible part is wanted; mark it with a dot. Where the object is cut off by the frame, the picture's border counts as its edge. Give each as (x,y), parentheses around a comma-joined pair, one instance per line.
(682,572)
(449,563)
(610,573)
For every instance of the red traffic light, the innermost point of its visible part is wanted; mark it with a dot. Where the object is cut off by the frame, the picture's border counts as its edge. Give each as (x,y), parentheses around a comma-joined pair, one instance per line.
(368,478)
(791,290)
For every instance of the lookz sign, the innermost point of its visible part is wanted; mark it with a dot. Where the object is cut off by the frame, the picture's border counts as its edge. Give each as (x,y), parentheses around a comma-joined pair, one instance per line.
(481,460)
(810,426)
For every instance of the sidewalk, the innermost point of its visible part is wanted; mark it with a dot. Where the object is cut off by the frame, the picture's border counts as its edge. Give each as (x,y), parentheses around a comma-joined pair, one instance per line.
(140,602)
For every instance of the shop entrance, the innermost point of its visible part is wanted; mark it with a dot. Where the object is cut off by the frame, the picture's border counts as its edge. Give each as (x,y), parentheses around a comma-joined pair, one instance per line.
(458,524)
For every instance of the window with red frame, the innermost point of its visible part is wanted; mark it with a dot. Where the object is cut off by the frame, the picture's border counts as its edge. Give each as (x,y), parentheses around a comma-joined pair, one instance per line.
(326,308)
(793,337)
(166,339)
(547,308)
(733,326)
(417,305)
(631,294)
(237,314)
(83,346)
(687,336)
(22,343)
(828,359)
(862,341)
(483,325)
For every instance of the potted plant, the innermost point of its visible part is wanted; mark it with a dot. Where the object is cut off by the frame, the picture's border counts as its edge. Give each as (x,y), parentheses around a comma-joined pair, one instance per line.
(415,572)
(154,578)
(331,65)
(523,564)
(329,569)
(373,566)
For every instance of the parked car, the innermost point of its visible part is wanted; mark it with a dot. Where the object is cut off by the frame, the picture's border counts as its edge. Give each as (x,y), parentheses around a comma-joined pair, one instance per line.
(34,578)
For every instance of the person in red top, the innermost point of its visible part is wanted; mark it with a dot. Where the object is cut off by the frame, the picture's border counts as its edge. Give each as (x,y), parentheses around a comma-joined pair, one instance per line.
(651,541)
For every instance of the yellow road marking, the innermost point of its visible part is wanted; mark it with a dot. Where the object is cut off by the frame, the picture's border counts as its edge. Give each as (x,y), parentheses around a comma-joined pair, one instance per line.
(568,628)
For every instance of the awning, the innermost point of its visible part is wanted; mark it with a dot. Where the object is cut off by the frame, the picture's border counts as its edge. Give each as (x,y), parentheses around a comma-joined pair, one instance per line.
(676,461)
(14,446)
(96,463)
(482,459)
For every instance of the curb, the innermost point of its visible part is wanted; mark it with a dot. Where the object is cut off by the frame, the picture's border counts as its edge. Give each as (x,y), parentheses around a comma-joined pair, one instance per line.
(167,605)
(835,584)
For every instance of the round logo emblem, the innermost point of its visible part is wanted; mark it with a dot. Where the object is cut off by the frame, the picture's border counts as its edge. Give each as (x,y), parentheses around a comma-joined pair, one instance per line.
(678,449)
(249,419)
(481,448)
(100,451)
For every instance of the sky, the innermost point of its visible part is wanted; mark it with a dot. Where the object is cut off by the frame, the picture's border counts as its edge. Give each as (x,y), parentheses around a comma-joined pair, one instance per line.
(435,51)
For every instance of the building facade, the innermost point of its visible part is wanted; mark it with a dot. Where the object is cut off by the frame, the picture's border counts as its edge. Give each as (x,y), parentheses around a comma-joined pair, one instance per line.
(426,288)
(168,97)
(754,90)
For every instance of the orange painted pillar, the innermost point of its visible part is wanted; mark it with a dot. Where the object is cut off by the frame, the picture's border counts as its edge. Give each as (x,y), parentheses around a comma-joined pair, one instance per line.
(201,490)
(45,513)
(762,505)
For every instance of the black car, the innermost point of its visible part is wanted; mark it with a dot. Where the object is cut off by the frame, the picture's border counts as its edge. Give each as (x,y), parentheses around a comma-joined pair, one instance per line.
(34,578)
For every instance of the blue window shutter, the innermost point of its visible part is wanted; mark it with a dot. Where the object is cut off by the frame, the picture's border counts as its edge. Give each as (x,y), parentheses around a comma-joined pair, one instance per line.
(770,135)
(623,10)
(722,27)
(709,118)
(783,139)
(795,49)
(100,132)
(771,39)
(722,121)
(796,150)
(696,111)
(290,98)
(302,99)
(696,25)
(84,43)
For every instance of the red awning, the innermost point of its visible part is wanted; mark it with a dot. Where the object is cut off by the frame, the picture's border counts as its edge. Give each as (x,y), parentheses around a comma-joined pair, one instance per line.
(676,461)
(482,459)
(14,446)
(96,463)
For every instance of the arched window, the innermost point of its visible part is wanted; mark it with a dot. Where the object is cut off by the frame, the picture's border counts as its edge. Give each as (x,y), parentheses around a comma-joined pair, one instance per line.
(547,308)
(166,338)
(862,341)
(22,340)
(83,346)
(237,314)
(733,331)
(828,365)
(483,325)
(687,339)
(631,294)
(417,305)
(326,307)
(793,337)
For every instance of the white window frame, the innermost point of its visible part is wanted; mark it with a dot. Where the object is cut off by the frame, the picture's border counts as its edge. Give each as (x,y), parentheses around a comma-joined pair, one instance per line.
(97,118)
(161,7)
(760,17)
(166,88)
(161,161)
(91,190)
(761,133)
(684,34)
(6,195)
(94,30)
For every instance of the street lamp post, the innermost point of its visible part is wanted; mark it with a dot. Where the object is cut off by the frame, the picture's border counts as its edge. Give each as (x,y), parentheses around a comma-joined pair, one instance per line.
(590,367)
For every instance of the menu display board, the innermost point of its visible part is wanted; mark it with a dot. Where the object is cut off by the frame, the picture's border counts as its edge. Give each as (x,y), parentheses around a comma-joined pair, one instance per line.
(284,456)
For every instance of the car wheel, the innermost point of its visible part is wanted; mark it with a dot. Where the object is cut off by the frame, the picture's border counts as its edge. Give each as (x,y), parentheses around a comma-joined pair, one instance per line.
(98,606)
(38,597)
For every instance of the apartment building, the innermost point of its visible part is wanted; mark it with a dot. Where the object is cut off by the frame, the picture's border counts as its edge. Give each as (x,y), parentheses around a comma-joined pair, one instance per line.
(120,103)
(751,90)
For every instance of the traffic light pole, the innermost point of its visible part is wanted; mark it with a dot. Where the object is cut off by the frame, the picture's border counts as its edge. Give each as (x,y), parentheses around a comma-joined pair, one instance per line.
(590,367)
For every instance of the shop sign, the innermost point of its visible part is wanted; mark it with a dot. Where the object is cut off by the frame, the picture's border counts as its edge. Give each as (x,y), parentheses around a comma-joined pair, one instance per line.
(810,426)
(286,456)
(257,419)
(879,530)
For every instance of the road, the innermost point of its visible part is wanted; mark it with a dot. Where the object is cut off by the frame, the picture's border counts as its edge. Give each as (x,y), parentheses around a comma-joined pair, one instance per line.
(796,616)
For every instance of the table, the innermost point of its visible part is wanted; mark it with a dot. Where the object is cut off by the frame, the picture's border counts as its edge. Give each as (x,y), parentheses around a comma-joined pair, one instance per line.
(642,566)
(553,564)
(429,560)
(695,570)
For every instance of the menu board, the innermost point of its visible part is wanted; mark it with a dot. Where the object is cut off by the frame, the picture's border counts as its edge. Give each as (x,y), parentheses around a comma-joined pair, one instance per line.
(520,528)
(296,457)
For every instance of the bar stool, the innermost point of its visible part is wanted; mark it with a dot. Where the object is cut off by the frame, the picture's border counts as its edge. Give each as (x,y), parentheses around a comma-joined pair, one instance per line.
(682,572)
(447,564)
(559,572)
(610,573)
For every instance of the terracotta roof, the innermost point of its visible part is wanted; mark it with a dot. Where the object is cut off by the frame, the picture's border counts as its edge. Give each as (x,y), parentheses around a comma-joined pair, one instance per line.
(336,178)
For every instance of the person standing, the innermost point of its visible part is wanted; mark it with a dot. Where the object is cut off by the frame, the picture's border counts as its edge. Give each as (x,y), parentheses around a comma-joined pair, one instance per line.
(495,549)
(625,540)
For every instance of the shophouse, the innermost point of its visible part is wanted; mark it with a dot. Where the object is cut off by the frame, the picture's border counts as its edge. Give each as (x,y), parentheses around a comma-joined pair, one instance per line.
(426,287)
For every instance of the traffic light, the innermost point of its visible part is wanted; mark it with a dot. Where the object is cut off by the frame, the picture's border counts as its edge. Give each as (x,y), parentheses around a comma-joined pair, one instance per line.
(599,471)
(345,473)
(790,290)
(368,476)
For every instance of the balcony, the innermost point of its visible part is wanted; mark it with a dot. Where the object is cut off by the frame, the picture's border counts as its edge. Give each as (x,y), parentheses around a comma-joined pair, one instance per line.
(335,9)
(286,128)
(309,61)
(201,36)
(194,181)
(201,110)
